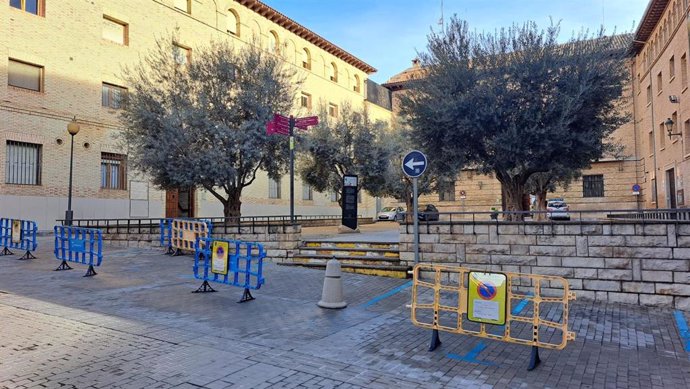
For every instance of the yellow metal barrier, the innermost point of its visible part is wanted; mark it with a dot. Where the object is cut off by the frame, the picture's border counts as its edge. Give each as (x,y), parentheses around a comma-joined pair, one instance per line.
(527,309)
(185,232)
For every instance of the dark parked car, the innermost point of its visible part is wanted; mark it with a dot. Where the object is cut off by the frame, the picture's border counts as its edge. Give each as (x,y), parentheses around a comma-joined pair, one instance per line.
(428,213)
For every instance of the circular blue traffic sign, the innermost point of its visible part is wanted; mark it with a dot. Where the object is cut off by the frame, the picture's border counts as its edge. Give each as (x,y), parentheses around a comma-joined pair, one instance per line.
(414,164)
(636,188)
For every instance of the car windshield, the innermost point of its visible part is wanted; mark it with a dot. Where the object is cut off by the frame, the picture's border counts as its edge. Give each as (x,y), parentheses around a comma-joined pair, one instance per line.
(556,204)
(388,209)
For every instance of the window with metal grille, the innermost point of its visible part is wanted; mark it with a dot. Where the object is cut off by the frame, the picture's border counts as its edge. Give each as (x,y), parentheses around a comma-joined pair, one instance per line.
(111,95)
(23,163)
(593,185)
(113,171)
(446,190)
(307,192)
(273,188)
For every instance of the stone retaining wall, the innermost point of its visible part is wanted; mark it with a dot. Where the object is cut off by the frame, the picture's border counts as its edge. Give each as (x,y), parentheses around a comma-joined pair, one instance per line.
(626,262)
(279,243)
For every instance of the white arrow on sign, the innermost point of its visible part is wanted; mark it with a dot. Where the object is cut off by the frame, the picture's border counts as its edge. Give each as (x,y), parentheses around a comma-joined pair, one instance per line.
(411,163)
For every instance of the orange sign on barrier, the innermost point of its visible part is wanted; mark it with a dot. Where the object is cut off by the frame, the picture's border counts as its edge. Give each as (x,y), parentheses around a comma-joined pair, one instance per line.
(185,232)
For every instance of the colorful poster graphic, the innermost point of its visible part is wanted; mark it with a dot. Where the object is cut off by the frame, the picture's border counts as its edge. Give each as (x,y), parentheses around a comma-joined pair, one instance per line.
(486,298)
(219,257)
(16,233)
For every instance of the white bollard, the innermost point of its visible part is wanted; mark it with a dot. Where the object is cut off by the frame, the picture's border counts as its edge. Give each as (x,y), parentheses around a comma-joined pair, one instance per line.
(332,296)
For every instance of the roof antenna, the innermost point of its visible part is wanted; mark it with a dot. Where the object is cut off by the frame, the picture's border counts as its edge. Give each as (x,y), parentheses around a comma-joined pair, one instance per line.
(603,15)
(440,21)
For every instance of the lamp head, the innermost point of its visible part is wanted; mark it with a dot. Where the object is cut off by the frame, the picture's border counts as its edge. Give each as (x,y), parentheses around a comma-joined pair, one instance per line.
(73,127)
(669,125)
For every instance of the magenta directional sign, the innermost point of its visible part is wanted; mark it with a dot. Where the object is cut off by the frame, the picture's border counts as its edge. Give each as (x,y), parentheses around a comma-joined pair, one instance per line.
(280,119)
(305,122)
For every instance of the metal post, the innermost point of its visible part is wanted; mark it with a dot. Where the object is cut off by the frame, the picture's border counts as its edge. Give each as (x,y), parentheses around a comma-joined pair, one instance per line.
(415,215)
(68,213)
(292,169)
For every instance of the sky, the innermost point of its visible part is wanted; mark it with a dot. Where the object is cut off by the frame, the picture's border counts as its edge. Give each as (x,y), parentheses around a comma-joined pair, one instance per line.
(388,34)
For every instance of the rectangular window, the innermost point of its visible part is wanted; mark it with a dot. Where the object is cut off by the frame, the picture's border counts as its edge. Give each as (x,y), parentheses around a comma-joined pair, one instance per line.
(307,192)
(650,140)
(112,95)
(684,71)
(649,94)
(686,137)
(662,136)
(332,110)
(446,190)
(653,188)
(25,75)
(334,197)
(115,31)
(35,7)
(671,68)
(593,185)
(659,81)
(181,54)
(113,171)
(184,5)
(23,163)
(273,188)
(305,100)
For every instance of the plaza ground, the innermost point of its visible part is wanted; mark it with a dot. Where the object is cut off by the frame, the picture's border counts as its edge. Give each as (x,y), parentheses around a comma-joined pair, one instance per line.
(137,325)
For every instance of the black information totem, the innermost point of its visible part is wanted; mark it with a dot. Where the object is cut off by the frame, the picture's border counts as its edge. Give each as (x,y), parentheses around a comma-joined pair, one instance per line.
(350,201)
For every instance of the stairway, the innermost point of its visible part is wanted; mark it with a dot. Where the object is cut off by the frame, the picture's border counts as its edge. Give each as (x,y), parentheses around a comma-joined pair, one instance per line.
(373,258)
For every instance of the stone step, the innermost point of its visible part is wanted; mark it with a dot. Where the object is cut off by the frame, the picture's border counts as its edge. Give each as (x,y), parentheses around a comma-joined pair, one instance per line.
(373,270)
(352,245)
(350,260)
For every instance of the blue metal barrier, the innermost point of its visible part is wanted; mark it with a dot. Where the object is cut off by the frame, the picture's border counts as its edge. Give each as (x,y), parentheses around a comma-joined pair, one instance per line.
(18,234)
(243,265)
(166,234)
(78,245)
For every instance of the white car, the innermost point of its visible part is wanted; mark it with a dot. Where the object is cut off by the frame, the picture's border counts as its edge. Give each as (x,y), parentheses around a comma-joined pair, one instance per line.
(557,209)
(389,213)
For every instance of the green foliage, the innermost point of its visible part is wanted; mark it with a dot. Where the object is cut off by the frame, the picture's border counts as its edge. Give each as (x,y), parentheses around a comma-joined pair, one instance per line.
(203,124)
(516,102)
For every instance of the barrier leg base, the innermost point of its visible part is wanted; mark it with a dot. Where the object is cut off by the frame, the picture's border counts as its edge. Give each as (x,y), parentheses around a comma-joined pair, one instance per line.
(90,272)
(205,288)
(246,296)
(169,251)
(435,340)
(534,359)
(5,251)
(63,266)
(27,255)
(176,253)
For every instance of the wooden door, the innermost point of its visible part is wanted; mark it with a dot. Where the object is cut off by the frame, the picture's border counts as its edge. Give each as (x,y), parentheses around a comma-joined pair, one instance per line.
(171,203)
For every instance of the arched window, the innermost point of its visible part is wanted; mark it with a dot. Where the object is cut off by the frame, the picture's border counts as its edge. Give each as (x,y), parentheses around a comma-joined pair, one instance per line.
(357,87)
(306,59)
(233,23)
(273,42)
(333,72)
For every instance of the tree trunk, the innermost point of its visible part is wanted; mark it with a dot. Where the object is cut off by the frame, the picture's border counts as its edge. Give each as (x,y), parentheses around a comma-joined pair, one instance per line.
(514,192)
(540,205)
(232,208)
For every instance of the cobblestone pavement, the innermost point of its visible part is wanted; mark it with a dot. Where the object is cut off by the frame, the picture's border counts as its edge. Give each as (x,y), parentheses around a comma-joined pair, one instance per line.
(136,325)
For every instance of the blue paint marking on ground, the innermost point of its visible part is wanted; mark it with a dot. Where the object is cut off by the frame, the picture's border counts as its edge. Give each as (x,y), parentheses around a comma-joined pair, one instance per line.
(521,305)
(683,329)
(387,294)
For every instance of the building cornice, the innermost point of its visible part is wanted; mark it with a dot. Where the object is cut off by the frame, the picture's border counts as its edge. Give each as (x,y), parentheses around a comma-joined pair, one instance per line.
(650,18)
(306,34)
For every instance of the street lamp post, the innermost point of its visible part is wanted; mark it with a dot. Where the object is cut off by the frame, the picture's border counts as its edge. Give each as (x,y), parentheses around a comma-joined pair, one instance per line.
(73,129)
(669,128)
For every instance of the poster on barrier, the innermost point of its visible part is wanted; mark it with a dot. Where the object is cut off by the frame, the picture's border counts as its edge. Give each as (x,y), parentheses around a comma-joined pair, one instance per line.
(219,257)
(486,298)
(16,233)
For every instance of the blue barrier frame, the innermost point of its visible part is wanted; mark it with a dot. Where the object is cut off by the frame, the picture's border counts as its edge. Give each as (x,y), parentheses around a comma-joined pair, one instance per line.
(78,245)
(27,240)
(166,235)
(240,273)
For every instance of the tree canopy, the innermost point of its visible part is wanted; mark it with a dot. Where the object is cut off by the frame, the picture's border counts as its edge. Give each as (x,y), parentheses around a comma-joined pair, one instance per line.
(515,102)
(202,123)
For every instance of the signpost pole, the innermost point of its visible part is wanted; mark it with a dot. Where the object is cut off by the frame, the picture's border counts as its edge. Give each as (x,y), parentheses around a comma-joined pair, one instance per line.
(416,220)
(292,169)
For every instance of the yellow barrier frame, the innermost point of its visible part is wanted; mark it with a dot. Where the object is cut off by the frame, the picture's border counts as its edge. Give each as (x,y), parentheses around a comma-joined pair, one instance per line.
(513,279)
(185,233)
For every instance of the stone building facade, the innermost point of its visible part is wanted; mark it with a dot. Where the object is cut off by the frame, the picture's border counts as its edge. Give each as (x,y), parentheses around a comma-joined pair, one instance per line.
(64,59)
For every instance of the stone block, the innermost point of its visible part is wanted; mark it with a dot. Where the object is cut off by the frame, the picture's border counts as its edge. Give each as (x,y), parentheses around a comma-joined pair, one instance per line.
(684,229)
(585,273)
(681,277)
(407,256)
(681,253)
(642,252)
(428,238)
(623,298)
(487,248)
(451,238)
(406,238)
(511,268)
(439,229)
(581,246)
(662,264)
(557,240)
(614,274)
(656,300)
(549,261)
(585,295)
(601,296)
(655,229)
(554,229)
(682,303)
(646,241)
(600,251)
(638,287)
(552,250)
(583,262)
(482,239)
(517,239)
(534,229)
(673,289)
(617,263)
(606,241)
(657,276)
(478,258)
(508,229)
(476,229)
(575,283)
(554,271)
(519,249)
(497,259)
(444,248)
(614,286)
(438,257)
(683,241)
(623,229)
(671,236)
(637,269)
